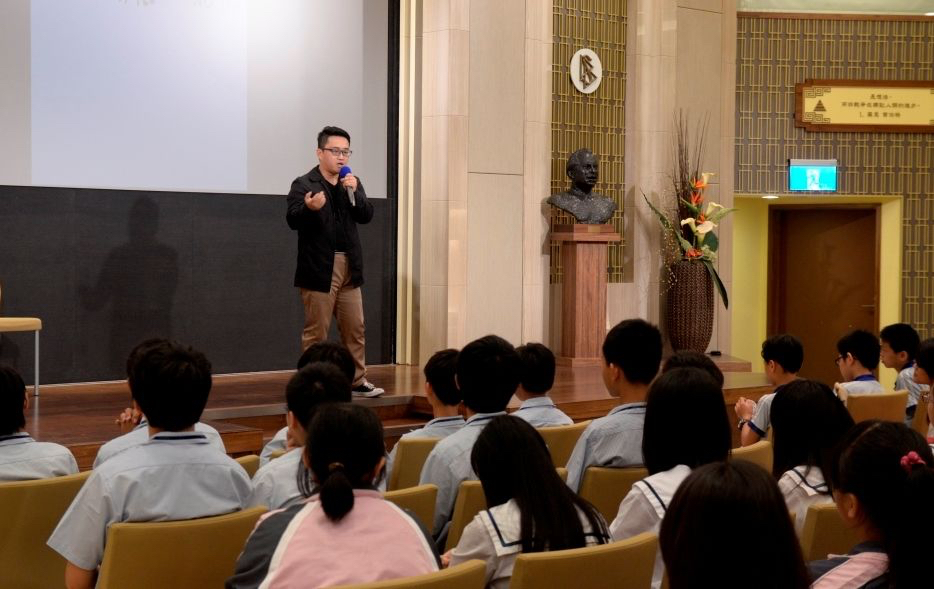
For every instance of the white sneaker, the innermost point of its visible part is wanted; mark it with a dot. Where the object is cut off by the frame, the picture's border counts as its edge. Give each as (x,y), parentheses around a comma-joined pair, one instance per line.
(367,390)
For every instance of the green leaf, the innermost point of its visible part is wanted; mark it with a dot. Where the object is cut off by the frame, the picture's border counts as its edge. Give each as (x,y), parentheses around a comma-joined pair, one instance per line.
(693,208)
(718,283)
(685,246)
(712,241)
(719,214)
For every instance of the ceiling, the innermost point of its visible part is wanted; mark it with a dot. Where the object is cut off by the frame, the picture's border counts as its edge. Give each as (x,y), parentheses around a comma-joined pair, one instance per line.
(915,7)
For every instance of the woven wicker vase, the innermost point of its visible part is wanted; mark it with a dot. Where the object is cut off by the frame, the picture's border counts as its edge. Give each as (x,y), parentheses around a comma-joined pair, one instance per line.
(689,309)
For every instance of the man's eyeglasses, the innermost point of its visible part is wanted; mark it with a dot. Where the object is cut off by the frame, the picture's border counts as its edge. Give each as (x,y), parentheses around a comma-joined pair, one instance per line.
(837,359)
(336,152)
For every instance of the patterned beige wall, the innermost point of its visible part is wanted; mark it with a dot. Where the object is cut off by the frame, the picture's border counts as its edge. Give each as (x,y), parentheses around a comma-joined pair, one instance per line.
(775,53)
(596,121)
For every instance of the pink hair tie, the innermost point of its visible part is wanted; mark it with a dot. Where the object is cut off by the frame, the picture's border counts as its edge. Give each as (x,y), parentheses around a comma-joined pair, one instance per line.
(909,460)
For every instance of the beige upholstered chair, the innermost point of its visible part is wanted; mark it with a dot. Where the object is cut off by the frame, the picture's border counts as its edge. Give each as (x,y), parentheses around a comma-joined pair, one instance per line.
(192,554)
(470,501)
(619,565)
(919,422)
(884,406)
(411,455)
(250,463)
(759,453)
(825,533)
(467,575)
(605,487)
(30,510)
(276,454)
(561,440)
(33,324)
(419,500)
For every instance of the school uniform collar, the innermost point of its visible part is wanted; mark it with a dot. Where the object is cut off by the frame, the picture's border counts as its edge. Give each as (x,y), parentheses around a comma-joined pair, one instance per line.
(17,438)
(865,378)
(911,364)
(446,420)
(180,438)
(142,423)
(543,401)
(628,407)
(482,418)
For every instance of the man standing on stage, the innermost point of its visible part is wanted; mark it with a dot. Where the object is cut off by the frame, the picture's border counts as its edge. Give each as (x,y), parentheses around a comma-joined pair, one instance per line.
(325,207)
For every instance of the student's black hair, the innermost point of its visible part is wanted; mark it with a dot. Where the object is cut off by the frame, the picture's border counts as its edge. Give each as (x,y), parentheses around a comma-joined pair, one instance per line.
(312,386)
(785,350)
(512,462)
(487,374)
(537,368)
(12,397)
(863,346)
(693,359)
(685,421)
(331,131)
(925,358)
(345,443)
(635,346)
(439,372)
(170,382)
(703,523)
(809,421)
(327,351)
(894,497)
(901,337)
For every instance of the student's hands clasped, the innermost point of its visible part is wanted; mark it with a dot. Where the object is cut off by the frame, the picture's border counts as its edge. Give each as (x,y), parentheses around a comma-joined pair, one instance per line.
(745,408)
(128,419)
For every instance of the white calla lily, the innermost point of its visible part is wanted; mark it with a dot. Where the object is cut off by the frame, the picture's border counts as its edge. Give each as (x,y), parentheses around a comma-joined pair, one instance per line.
(712,207)
(705,227)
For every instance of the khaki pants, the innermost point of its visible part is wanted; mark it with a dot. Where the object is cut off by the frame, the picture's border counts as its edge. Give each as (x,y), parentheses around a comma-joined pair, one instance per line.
(345,303)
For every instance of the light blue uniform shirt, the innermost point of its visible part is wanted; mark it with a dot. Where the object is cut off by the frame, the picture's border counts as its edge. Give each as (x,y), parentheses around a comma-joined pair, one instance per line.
(172,476)
(448,466)
(905,381)
(22,459)
(541,412)
(614,440)
(275,485)
(440,427)
(278,442)
(140,435)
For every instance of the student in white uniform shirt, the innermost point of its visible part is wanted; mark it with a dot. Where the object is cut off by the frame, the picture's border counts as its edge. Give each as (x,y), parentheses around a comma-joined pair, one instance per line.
(286,480)
(536,379)
(690,402)
(809,421)
(900,344)
(175,475)
(924,375)
(858,356)
(530,509)
(326,351)
(443,396)
(21,457)
(783,355)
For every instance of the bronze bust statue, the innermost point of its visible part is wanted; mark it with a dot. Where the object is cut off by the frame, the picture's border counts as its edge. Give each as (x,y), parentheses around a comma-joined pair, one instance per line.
(579,200)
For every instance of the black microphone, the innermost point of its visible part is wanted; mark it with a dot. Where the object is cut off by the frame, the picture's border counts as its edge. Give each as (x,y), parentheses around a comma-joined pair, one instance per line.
(344,171)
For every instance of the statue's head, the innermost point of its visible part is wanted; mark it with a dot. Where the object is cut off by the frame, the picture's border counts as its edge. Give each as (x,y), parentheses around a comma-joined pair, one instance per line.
(583,169)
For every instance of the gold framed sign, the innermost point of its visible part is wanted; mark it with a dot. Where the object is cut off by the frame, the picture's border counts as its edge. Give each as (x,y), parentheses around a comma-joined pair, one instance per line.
(870,106)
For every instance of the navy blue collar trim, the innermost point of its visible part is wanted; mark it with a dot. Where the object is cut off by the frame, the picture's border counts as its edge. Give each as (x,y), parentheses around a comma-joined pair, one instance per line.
(654,492)
(865,377)
(438,420)
(505,544)
(191,436)
(16,436)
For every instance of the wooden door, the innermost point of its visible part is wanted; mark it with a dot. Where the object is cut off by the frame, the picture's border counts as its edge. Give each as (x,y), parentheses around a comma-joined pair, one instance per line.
(823,278)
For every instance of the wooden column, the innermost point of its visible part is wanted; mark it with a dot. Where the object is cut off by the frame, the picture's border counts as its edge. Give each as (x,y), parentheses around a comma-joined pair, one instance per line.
(583,312)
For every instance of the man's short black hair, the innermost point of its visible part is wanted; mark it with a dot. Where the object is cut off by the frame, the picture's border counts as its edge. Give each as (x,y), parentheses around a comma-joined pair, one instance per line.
(327,351)
(312,386)
(694,359)
(537,365)
(863,346)
(170,382)
(901,337)
(12,397)
(785,350)
(487,374)
(925,358)
(439,372)
(635,346)
(330,131)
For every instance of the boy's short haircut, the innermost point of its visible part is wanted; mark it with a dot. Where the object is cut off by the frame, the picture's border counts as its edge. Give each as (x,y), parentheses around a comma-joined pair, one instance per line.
(331,131)
(439,372)
(487,374)
(925,357)
(863,346)
(537,365)
(314,385)
(901,337)
(692,359)
(333,352)
(785,350)
(12,397)
(635,346)
(170,382)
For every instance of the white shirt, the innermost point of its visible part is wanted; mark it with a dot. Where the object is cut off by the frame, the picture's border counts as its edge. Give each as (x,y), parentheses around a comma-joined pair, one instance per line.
(439,427)
(541,412)
(863,385)
(906,381)
(614,440)
(22,459)
(803,487)
(644,507)
(140,435)
(277,442)
(275,485)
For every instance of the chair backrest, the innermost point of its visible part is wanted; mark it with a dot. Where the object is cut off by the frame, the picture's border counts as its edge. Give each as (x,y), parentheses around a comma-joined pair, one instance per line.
(30,510)
(250,463)
(825,533)
(466,575)
(884,406)
(561,440)
(605,487)
(276,454)
(411,454)
(419,500)
(179,554)
(759,453)
(470,501)
(919,422)
(620,565)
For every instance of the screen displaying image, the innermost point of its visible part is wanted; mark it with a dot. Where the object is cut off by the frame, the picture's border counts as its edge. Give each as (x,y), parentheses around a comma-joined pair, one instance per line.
(812,177)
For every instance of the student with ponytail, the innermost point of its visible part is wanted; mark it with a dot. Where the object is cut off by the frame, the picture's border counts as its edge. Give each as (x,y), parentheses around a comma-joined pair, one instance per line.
(882,483)
(345,533)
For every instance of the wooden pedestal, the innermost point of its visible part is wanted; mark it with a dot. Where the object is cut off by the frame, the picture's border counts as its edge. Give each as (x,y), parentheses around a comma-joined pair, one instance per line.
(583,305)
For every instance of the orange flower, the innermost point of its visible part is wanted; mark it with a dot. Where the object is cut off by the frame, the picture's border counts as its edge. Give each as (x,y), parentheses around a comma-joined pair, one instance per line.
(693,253)
(702,183)
(696,198)
(701,218)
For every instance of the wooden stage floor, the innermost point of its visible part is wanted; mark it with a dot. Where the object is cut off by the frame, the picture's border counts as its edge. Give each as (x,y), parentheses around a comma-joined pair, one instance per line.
(247,409)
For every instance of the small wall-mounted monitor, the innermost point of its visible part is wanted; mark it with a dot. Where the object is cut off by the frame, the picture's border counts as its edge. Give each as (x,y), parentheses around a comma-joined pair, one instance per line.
(812,175)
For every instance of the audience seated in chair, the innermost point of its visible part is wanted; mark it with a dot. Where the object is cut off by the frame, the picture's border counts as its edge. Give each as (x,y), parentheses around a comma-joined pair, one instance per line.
(285,480)
(692,359)
(537,376)
(705,536)
(899,348)
(684,400)
(783,356)
(347,532)
(858,356)
(175,475)
(632,352)
(530,509)
(924,375)
(21,457)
